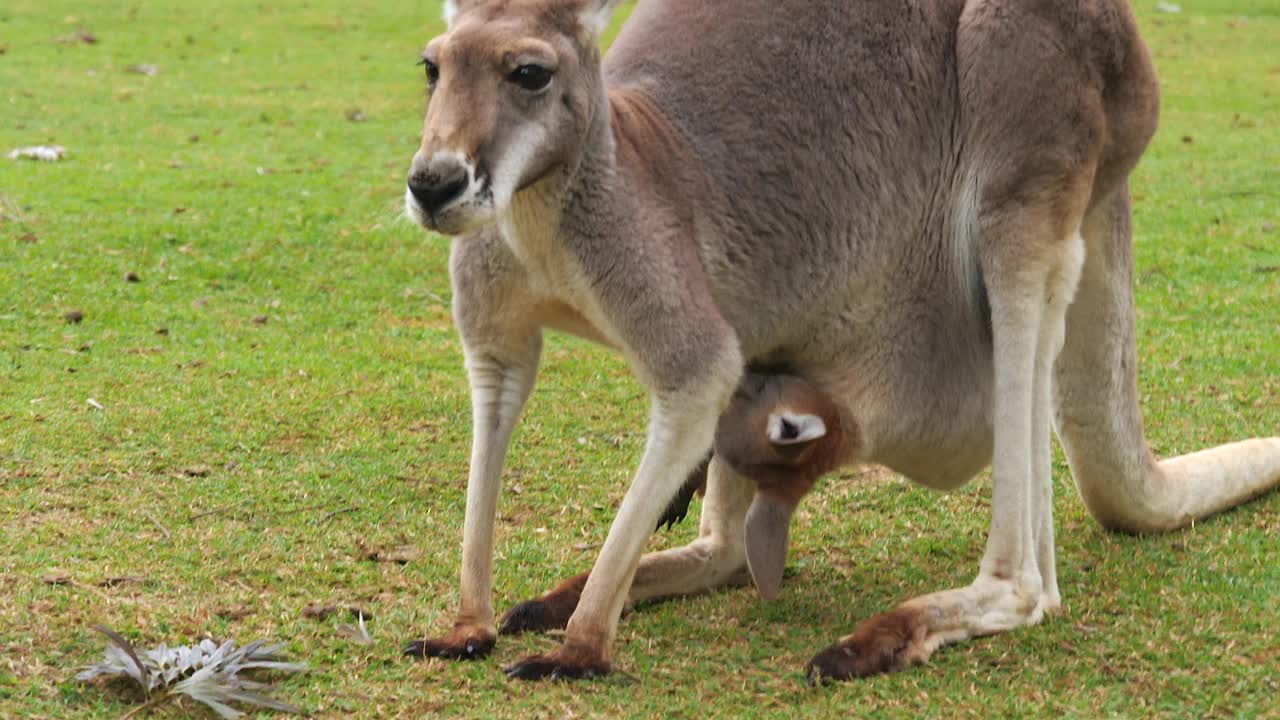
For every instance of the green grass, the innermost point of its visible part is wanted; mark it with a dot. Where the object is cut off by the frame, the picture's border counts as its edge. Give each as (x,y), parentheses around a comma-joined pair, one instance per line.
(236,186)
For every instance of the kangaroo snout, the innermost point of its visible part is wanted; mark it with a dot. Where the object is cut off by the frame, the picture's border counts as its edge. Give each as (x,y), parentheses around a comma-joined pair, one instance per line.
(438,181)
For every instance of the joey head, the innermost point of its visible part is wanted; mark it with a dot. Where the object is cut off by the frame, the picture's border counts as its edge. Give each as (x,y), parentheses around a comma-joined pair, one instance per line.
(781,431)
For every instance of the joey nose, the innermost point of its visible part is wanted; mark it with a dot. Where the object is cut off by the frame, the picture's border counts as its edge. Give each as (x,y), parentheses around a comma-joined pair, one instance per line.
(438,183)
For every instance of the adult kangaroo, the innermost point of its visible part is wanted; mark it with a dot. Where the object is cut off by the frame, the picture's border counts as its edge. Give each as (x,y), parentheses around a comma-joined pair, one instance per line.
(919,206)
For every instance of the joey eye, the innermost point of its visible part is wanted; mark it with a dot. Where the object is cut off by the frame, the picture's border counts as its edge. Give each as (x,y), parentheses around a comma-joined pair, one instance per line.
(530,77)
(432,70)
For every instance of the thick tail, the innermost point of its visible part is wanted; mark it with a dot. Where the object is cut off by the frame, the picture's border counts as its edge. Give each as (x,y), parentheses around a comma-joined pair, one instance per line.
(1217,479)
(1097,414)
(1172,493)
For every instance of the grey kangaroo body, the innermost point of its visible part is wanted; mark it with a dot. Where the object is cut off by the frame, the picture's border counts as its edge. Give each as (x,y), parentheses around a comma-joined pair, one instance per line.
(898,201)
(831,226)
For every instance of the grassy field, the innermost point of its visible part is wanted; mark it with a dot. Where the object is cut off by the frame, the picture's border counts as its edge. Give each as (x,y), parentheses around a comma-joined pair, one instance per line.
(264,391)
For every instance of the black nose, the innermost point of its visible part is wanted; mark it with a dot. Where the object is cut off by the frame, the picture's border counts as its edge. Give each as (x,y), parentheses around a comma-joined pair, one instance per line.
(437,184)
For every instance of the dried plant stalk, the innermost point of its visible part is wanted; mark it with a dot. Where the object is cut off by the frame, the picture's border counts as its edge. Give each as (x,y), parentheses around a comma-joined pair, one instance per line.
(206,672)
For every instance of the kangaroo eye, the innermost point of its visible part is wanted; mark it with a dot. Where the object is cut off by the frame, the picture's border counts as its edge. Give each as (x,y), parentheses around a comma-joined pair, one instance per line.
(433,70)
(530,77)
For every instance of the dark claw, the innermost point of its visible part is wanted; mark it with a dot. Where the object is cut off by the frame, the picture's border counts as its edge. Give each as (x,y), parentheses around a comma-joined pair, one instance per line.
(528,616)
(678,508)
(676,511)
(813,675)
(574,673)
(534,668)
(549,612)
(469,650)
(841,662)
(540,667)
(828,666)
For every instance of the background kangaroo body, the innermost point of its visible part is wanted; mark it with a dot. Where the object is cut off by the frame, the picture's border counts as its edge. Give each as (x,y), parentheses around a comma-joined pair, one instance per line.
(899,201)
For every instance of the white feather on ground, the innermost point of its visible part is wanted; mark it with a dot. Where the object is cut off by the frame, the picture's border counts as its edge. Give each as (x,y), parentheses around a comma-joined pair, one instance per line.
(44,153)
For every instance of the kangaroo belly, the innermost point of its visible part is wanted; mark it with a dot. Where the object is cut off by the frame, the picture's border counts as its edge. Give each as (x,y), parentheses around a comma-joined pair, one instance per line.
(919,388)
(935,430)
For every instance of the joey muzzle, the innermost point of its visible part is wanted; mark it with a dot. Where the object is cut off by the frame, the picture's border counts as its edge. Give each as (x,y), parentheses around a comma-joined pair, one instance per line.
(768,524)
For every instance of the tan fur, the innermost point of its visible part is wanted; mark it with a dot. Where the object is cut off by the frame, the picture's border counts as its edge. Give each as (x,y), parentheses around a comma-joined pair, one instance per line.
(923,213)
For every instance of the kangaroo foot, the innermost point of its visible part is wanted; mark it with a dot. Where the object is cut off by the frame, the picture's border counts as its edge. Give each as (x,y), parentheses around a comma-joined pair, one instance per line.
(464,642)
(883,643)
(549,612)
(566,663)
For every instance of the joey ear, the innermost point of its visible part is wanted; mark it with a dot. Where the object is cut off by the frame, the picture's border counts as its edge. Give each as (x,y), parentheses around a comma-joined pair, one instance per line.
(597,13)
(768,524)
(788,428)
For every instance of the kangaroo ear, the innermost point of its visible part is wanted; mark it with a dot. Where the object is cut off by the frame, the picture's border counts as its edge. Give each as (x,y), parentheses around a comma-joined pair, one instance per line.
(453,7)
(768,524)
(596,14)
(788,428)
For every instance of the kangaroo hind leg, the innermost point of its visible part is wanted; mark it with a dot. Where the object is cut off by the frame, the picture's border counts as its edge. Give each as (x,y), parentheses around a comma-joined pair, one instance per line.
(1032,272)
(1097,415)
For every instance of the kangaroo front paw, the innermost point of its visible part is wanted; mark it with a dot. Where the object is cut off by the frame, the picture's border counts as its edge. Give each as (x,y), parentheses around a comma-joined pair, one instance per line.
(465,642)
(563,664)
(884,643)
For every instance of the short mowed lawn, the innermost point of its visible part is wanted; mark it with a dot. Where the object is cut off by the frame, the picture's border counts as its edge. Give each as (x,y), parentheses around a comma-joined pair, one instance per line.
(230,388)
